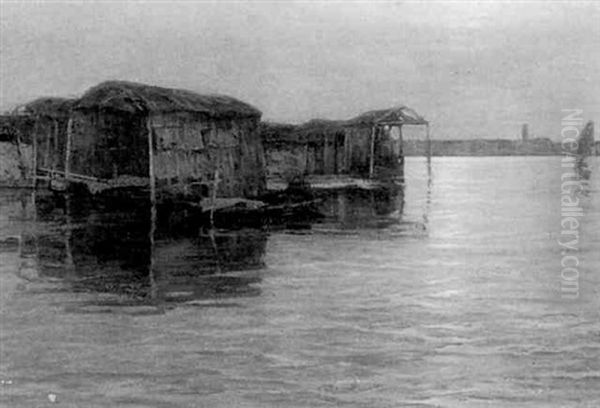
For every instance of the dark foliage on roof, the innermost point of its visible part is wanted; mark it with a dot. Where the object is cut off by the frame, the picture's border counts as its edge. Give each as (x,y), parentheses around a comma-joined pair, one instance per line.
(394,116)
(134,97)
(15,127)
(312,131)
(275,133)
(48,106)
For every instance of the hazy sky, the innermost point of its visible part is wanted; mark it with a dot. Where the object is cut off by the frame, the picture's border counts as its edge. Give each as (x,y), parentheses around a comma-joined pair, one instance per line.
(474,69)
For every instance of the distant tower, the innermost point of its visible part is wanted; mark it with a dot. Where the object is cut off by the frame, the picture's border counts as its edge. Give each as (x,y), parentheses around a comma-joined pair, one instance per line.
(525,132)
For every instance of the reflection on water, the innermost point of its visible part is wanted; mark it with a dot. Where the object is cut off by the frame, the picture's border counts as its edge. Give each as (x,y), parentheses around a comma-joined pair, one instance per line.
(64,240)
(111,247)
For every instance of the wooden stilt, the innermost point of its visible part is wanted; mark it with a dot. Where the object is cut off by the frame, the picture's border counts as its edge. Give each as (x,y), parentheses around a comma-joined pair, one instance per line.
(68,149)
(372,153)
(214,198)
(306,170)
(34,155)
(153,214)
(400,159)
(151,175)
(47,156)
(55,150)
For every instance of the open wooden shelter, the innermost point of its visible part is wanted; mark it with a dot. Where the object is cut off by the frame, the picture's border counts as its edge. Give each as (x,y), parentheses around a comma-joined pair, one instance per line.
(367,146)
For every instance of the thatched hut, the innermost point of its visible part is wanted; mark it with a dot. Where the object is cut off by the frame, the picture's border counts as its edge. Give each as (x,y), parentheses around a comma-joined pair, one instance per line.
(50,117)
(126,133)
(369,145)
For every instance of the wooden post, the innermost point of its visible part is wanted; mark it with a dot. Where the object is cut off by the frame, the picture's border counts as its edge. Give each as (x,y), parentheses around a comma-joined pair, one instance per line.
(68,149)
(54,157)
(153,215)
(151,175)
(400,158)
(214,198)
(34,155)
(372,153)
(324,154)
(305,159)
(47,157)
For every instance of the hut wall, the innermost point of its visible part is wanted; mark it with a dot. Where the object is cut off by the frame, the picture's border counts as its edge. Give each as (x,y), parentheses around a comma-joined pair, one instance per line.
(51,139)
(329,159)
(358,149)
(108,144)
(190,148)
(286,160)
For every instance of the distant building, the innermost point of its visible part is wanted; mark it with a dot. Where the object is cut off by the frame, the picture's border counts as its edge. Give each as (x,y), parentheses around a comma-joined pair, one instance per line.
(525,132)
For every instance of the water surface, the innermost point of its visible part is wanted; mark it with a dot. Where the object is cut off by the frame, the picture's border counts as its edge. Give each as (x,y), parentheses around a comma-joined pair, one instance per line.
(448,294)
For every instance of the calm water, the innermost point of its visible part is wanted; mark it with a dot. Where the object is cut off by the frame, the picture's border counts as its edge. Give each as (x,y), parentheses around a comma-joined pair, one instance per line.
(448,295)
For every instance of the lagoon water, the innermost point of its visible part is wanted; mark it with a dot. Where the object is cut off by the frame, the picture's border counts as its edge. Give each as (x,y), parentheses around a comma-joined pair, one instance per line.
(448,295)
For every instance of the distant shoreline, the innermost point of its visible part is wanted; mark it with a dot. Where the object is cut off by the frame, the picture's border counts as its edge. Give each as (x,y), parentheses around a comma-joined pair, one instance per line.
(487,147)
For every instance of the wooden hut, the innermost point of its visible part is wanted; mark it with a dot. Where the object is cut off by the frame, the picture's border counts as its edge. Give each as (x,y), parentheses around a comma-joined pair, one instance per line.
(129,134)
(367,146)
(50,117)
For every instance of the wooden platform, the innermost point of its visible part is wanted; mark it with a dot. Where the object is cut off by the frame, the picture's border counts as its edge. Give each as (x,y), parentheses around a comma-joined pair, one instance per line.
(329,182)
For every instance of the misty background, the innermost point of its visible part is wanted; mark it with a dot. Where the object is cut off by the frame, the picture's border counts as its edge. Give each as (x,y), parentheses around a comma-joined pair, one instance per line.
(473,69)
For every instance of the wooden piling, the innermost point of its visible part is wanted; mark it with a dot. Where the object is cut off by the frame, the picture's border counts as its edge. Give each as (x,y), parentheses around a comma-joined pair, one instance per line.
(68,149)
(153,213)
(372,153)
(151,175)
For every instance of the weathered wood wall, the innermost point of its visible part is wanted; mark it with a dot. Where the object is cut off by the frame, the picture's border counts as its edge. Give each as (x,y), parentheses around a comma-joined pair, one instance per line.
(347,151)
(50,142)
(190,148)
(108,144)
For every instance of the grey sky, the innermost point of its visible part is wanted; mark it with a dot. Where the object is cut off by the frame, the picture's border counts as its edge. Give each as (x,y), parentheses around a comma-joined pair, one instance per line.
(474,69)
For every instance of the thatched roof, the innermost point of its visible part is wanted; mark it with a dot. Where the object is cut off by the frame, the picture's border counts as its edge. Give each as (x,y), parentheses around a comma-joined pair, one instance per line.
(13,126)
(312,131)
(52,107)
(394,116)
(134,97)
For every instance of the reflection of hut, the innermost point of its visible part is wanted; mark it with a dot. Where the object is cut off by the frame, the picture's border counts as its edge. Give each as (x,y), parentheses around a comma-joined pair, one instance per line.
(369,145)
(114,253)
(357,208)
(128,134)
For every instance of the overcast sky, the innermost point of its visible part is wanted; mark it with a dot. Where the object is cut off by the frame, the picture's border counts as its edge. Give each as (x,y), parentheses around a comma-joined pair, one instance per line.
(474,69)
